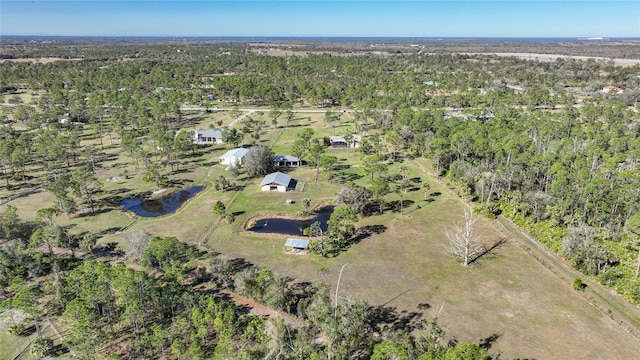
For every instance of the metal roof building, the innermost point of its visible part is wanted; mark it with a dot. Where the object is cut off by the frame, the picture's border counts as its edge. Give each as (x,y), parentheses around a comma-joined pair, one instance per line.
(297,243)
(277,181)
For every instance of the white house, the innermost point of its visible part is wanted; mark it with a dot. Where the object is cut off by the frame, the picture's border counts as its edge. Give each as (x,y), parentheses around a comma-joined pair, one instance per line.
(286,161)
(207,137)
(338,142)
(233,157)
(276,181)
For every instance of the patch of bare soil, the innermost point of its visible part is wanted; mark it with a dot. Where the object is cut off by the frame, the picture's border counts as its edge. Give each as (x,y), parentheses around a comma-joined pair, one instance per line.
(259,309)
(254,307)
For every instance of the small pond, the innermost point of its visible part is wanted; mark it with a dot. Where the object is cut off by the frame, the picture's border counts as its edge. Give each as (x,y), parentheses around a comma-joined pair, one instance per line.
(292,226)
(160,206)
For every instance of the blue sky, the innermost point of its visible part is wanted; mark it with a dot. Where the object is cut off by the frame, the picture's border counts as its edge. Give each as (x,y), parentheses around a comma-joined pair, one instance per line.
(425,18)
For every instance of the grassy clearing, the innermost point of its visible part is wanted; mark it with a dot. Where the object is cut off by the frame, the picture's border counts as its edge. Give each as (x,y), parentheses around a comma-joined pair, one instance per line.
(10,345)
(506,295)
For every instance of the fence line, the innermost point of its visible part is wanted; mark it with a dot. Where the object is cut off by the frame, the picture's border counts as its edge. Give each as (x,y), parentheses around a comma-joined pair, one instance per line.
(6,199)
(213,227)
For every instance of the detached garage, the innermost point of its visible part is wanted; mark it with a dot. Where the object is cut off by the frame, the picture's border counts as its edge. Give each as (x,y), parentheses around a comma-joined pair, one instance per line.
(276,181)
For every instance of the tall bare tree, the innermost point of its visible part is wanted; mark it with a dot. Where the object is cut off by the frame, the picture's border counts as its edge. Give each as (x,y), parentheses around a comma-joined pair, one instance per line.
(136,244)
(464,244)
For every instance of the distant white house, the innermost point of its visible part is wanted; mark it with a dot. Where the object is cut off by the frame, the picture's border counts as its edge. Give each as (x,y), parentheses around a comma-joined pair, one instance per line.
(207,137)
(233,157)
(66,121)
(338,142)
(286,161)
(276,181)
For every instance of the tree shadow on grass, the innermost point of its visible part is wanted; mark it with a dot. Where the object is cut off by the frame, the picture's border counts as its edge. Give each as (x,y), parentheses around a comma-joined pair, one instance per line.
(397,206)
(395,297)
(344,178)
(88,213)
(367,231)
(108,250)
(487,251)
(176,182)
(113,197)
(388,319)
(182,170)
(488,342)
(60,350)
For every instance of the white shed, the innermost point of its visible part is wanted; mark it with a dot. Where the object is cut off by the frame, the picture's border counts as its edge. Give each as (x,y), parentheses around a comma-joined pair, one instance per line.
(296,246)
(276,181)
(233,157)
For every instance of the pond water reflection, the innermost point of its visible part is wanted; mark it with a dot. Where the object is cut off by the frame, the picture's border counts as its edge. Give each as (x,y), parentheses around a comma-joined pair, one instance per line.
(292,226)
(160,206)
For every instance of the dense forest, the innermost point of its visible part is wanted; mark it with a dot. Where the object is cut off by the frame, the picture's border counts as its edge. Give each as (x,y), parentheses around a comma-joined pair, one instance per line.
(537,142)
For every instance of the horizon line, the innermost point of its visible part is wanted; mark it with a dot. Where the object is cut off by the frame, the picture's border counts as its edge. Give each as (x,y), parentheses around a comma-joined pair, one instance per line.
(593,38)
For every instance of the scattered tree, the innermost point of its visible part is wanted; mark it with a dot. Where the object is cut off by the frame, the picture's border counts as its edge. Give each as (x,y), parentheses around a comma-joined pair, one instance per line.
(341,224)
(585,252)
(315,153)
(357,197)
(306,203)
(328,162)
(85,185)
(219,209)
(258,161)
(463,243)
(136,244)
(232,136)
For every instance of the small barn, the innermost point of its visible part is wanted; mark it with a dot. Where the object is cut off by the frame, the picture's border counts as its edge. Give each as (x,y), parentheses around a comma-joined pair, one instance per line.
(233,157)
(276,181)
(296,245)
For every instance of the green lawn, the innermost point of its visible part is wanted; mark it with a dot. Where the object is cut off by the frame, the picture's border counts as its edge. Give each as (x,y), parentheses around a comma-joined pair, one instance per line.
(11,345)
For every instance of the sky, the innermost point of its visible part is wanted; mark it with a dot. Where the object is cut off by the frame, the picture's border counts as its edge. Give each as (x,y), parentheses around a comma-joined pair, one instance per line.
(322,18)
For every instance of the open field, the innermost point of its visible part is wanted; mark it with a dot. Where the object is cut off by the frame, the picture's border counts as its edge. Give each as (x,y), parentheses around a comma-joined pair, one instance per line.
(506,296)
(506,299)
(554,57)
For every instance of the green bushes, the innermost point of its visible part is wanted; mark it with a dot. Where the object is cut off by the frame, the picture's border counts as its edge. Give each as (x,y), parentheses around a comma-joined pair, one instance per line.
(18,329)
(41,347)
(578,284)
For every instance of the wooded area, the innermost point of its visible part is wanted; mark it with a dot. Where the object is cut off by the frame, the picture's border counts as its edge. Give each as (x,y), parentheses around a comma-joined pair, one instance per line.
(543,144)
